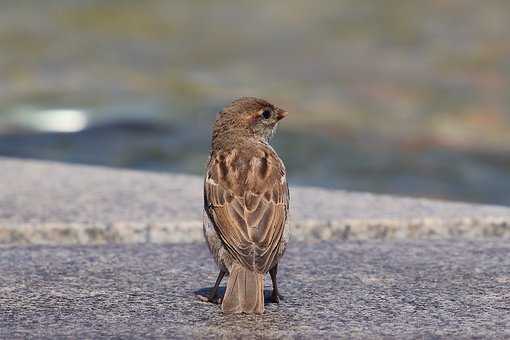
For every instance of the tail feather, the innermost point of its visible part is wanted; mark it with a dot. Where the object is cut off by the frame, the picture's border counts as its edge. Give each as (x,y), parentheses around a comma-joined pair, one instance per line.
(245,291)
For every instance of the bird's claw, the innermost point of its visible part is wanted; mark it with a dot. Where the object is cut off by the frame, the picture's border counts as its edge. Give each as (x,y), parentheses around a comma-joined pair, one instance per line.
(276,298)
(210,299)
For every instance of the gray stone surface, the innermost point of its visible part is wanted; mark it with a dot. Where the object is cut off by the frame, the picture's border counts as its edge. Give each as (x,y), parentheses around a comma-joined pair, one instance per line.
(364,289)
(53,203)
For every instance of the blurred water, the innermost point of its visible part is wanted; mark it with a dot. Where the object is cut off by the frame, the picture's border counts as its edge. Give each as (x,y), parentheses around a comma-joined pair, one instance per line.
(311,159)
(406,97)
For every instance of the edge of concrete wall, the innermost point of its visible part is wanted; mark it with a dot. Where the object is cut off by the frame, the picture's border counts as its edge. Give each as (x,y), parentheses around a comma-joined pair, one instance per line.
(53,203)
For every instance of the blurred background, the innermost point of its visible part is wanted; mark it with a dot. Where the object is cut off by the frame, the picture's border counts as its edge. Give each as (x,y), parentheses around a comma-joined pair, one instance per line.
(401,97)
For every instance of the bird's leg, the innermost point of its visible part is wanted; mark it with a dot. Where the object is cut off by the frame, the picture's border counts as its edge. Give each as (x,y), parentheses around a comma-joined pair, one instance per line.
(275,295)
(213,294)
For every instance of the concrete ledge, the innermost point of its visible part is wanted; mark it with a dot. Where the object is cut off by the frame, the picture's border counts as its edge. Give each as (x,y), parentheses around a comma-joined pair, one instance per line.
(355,289)
(53,203)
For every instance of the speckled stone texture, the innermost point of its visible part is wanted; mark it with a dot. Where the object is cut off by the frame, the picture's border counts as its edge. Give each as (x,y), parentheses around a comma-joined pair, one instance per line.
(53,203)
(365,289)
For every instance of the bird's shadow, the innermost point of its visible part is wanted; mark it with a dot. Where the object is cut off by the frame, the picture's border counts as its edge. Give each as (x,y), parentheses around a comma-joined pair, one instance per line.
(203,293)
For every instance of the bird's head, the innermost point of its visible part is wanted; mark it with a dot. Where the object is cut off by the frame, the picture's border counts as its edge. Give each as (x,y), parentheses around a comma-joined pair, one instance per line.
(249,116)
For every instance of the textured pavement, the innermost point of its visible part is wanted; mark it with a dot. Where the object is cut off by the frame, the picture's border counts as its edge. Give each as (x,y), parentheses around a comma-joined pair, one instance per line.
(365,289)
(54,203)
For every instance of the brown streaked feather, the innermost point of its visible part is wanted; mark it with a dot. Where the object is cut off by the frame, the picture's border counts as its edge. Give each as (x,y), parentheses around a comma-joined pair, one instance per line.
(248,208)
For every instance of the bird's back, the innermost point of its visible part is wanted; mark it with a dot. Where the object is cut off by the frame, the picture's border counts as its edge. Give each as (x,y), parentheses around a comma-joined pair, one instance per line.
(246,198)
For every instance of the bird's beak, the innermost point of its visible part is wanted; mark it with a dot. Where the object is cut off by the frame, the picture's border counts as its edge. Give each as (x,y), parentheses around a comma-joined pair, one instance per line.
(281,114)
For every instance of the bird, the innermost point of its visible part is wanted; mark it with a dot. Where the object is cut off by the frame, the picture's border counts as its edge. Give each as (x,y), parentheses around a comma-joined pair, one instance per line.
(246,203)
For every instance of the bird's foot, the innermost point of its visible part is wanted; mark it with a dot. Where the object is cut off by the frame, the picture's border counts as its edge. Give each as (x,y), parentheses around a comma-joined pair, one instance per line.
(214,299)
(210,299)
(276,297)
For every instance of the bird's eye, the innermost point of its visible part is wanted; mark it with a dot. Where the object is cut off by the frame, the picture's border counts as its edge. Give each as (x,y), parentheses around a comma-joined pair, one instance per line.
(266,114)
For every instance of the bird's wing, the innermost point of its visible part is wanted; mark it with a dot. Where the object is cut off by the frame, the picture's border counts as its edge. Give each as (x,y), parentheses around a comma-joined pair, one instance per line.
(247,200)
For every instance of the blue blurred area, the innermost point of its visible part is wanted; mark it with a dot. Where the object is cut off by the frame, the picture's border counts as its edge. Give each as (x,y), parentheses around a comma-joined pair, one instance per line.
(401,97)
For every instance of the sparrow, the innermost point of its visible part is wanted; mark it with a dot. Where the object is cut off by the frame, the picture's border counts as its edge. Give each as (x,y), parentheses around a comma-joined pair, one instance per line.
(246,203)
